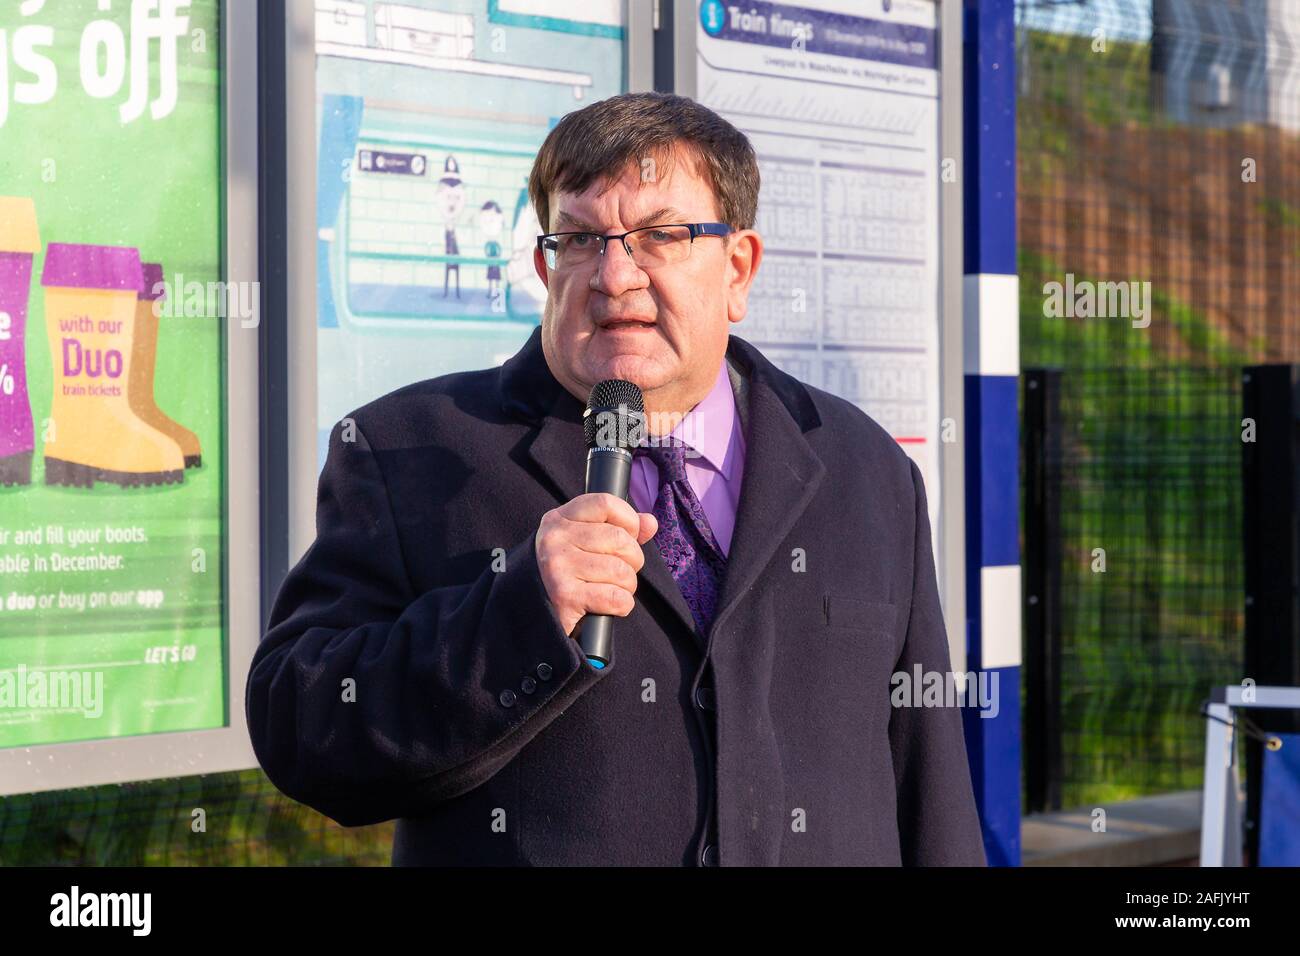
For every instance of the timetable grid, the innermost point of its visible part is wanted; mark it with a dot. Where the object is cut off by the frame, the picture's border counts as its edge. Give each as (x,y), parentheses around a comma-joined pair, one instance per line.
(840,301)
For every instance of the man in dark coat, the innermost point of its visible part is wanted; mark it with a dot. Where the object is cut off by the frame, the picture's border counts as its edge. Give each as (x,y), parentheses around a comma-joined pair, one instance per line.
(421,660)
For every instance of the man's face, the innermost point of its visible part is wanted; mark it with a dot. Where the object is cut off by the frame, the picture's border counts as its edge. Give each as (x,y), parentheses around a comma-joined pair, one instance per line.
(665,329)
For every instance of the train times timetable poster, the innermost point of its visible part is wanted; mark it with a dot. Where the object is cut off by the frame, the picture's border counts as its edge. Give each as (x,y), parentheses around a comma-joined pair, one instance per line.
(841,101)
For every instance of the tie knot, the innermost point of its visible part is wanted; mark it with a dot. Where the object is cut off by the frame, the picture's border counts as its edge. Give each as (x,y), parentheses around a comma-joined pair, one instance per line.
(669,458)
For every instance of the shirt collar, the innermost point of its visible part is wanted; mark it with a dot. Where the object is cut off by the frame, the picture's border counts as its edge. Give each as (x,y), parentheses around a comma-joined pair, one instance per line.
(709,427)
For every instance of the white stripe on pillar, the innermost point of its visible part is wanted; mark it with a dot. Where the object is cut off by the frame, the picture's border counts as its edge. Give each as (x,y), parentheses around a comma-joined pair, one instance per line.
(991,324)
(1000,616)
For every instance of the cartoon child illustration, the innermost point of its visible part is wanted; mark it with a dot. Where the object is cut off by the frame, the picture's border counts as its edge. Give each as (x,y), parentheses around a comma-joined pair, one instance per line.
(491,223)
(451,200)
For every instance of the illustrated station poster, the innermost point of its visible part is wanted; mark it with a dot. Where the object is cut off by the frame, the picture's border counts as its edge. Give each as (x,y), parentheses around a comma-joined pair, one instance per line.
(430,115)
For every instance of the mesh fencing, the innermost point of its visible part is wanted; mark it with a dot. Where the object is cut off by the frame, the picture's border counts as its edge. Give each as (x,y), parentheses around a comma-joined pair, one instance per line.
(1151,614)
(1158,224)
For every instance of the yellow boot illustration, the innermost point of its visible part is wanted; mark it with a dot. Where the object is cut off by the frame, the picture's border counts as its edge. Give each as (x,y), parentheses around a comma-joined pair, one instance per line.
(144,352)
(91,293)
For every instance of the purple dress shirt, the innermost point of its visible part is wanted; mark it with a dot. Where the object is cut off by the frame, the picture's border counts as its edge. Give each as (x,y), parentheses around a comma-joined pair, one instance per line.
(713,429)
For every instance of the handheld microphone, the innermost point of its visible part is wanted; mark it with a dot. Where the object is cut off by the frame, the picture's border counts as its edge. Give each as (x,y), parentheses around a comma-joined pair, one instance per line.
(612,425)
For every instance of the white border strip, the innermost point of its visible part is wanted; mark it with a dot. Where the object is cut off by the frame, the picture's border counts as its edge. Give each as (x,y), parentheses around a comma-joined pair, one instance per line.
(992,324)
(1000,616)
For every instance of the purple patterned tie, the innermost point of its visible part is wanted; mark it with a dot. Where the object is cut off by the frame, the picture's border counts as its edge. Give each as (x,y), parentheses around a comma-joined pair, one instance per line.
(684,537)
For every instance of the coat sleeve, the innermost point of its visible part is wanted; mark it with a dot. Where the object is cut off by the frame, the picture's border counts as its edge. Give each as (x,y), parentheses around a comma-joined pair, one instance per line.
(368,701)
(937,821)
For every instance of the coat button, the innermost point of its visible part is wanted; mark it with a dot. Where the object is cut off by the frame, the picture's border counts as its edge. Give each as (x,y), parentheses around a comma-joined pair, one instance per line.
(544,671)
(710,855)
(528,685)
(704,698)
(507,698)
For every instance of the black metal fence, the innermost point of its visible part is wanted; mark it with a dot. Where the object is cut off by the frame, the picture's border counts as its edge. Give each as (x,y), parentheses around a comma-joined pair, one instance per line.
(1134,576)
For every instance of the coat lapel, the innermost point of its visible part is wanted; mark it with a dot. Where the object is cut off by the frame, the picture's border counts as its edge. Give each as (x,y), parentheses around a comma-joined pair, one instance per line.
(782,473)
(780,477)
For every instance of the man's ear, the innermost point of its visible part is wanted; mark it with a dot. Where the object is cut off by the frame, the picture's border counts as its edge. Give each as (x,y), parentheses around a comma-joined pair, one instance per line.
(539,263)
(742,266)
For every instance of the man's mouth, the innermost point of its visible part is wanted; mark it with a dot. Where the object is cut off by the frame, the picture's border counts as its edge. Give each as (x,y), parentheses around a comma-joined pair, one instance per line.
(618,325)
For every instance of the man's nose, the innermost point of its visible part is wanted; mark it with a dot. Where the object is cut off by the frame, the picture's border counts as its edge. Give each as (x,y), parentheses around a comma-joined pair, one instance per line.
(615,270)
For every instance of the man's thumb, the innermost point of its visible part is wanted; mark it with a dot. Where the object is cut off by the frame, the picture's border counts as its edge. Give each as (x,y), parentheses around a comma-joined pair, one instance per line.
(649,527)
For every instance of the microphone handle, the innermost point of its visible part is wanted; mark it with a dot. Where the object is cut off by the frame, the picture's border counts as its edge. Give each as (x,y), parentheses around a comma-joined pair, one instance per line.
(608,470)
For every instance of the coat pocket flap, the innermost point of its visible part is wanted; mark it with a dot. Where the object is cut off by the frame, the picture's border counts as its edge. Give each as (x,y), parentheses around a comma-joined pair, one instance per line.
(844,611)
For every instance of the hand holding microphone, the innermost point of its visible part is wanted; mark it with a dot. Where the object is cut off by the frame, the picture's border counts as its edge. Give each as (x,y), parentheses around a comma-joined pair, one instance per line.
(589,550)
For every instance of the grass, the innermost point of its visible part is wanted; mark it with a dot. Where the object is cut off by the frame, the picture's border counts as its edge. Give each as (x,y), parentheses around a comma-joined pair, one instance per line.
(231,819)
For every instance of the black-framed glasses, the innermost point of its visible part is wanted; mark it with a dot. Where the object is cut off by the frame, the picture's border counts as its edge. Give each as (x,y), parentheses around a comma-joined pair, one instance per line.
(650,246)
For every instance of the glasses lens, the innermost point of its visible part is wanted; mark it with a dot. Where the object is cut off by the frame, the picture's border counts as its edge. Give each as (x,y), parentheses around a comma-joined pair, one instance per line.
(660,245)
(568,251)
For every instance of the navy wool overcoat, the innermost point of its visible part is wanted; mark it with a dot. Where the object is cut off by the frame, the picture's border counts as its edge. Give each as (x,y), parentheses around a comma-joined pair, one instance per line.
(413,668)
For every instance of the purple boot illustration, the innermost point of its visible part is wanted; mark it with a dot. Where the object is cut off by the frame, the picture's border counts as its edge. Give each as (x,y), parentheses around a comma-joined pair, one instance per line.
(19,243)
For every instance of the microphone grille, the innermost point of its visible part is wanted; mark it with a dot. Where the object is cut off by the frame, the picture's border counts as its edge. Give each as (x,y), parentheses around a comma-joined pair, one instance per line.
(615,415)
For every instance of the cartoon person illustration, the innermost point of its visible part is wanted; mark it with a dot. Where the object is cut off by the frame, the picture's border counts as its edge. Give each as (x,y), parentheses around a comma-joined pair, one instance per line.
(451,201)
(491,223)
(527,291)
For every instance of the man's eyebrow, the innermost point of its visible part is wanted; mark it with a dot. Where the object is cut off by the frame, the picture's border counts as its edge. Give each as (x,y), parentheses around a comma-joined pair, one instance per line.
(668,213)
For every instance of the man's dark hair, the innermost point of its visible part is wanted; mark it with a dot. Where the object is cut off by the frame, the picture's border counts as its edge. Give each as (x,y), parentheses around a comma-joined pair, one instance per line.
(598,142)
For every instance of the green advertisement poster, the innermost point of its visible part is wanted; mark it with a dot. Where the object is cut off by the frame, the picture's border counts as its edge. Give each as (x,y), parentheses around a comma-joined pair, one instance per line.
(112,323)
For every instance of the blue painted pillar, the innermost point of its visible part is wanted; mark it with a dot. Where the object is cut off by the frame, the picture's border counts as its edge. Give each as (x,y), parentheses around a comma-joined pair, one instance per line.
(991,322)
